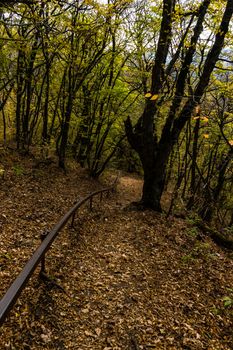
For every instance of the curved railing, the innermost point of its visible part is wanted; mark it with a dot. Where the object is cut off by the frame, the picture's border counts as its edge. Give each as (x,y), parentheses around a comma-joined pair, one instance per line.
(12,294)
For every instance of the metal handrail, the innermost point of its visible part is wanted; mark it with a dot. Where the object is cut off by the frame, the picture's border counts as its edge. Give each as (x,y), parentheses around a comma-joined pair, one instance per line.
(14,291)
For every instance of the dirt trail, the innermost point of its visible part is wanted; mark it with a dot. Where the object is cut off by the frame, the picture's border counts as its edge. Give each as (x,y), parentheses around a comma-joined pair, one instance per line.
(126,280)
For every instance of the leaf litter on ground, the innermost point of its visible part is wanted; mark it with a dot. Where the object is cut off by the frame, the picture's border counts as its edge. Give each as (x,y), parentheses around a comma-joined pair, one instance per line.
(132,280)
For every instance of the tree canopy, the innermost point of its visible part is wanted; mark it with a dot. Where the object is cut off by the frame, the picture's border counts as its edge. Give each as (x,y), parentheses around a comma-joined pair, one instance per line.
(81,77)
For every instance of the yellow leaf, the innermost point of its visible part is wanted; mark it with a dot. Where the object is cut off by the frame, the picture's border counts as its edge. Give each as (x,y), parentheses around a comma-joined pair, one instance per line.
(89,334)
(195,118)
(206,136)
(98,331)
(205,119)
(85,311)
(154,97)
(148,94)
(231,142)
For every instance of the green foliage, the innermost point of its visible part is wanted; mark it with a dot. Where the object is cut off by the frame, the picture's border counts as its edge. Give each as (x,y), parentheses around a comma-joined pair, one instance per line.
(192,220)
(216,311)
(18,169)
(127,159)
(201,251)
(228,231)
(228,299)
(187,259)
(193,231)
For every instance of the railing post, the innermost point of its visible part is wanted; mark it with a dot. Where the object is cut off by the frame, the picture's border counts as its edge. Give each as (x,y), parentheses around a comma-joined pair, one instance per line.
(72,221)
(91,203)
(73,216)
(42,269)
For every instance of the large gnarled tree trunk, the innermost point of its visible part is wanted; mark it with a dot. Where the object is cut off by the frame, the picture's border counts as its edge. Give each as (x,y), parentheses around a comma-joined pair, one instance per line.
(154,153)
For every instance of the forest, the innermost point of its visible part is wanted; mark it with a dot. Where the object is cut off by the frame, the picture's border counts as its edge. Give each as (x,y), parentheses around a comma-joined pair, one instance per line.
(81,77)
(131,87)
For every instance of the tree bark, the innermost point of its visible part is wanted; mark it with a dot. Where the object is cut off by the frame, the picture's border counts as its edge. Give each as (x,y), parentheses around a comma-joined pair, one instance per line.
(194,163)
(154,154)
(209,206)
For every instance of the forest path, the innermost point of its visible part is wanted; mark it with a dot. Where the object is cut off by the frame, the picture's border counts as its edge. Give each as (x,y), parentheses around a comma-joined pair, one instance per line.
(130,280)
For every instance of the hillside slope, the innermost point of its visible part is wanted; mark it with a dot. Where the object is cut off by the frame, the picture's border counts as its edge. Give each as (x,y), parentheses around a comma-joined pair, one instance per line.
(120,279)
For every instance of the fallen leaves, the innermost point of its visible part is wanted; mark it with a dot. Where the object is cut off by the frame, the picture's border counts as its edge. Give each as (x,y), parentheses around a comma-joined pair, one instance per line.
(89,334)
(122,272)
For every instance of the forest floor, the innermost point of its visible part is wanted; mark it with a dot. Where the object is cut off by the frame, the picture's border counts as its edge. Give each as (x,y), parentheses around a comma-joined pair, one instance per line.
(123,280)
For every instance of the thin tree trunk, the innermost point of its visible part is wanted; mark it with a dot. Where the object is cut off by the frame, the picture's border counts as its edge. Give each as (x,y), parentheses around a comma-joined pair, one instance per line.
(210,204)
(19,95)
(194,161)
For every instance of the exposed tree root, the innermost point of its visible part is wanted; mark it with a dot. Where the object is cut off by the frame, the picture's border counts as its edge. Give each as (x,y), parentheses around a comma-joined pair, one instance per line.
(219,238)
